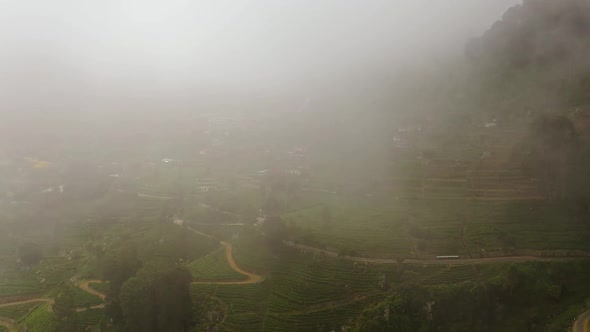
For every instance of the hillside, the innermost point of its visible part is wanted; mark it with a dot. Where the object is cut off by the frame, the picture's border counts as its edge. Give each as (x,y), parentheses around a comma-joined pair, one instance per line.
(458,200)
(535,58)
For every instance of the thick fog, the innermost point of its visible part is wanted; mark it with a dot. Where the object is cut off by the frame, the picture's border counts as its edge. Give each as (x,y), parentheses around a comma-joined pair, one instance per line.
(87,56)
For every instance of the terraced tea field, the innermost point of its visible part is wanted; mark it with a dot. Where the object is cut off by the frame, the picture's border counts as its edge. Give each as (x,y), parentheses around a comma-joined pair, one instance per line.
(40,320)
(18,311)
(331,318)
(89,318)
(304,292)
(424,228)
(14,282)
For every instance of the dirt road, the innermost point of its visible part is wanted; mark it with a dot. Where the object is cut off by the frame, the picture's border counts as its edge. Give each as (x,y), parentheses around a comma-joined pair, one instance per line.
(429,261)
(10,304)
(84,286)
(251,277)
(581,323)
(9,323)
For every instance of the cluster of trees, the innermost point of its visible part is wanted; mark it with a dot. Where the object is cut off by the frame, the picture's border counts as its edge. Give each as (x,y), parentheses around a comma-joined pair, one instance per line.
(504,302)
(157,299)
(151,296)
(535,58)
(533,66)
(149,287)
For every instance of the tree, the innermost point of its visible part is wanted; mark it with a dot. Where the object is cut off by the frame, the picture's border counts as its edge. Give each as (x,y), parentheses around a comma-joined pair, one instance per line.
(119,267)
(157,299)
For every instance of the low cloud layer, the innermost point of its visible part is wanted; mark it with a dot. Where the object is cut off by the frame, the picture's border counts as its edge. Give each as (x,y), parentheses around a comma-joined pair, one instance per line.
(73,54)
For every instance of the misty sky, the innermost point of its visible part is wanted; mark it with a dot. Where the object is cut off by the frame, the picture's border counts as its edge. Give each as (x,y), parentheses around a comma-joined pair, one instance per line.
(96,49)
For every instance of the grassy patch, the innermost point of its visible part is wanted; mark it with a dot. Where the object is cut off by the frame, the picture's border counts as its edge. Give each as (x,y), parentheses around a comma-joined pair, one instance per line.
(83,298)
(214,267)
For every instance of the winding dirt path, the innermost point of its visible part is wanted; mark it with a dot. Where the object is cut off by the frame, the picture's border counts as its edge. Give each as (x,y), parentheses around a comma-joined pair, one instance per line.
(84,285)
(251,278)
(10,323)
(463,261)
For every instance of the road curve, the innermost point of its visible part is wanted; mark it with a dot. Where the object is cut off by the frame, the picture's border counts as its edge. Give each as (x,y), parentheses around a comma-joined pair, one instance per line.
(251,278)
(581,323)
(84,285)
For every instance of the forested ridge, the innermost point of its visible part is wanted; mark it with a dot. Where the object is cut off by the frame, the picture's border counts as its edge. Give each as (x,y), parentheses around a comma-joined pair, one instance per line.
(530,71)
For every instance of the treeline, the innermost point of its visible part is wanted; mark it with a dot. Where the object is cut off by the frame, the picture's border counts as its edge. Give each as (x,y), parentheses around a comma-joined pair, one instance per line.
(518,297)
(535,64)
(148,284)
(531,72)
(534,59)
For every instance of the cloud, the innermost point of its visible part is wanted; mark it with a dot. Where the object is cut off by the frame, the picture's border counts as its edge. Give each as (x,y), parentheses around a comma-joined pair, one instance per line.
(116,47)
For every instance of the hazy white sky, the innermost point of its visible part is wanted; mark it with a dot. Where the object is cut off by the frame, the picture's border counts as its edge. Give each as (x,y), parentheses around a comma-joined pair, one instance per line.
(166,46)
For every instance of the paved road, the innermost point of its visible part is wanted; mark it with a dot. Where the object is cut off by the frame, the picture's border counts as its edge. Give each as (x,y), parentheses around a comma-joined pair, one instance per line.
(581,323)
